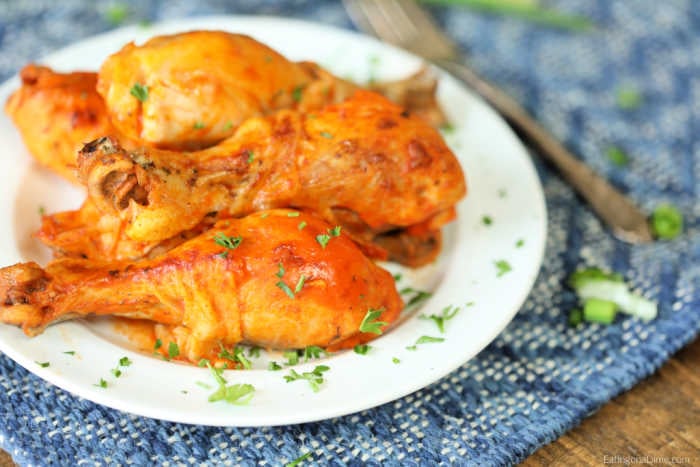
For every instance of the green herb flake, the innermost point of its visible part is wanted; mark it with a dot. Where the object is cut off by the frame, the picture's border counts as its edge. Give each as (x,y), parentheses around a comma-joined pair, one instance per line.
(447,128)
(628,97)
(313,351)
(230,243)
(198,125)
(429,340)
(280,271)
(42,211)
(502,266)
(335,231)
(395,360)
(412,348)
(274,366)
(502,193)
(292,357)
(236,394)
(301,225)
(362,349)
(520,243)
(418,296)
(296,93)
(43,364)
(139,91)
(326,135)
(667,221)
(397,277)
(285,288)
(254,352)
(617,156)
(69,352)
(125,361)
(370,323)
(293,214)
(251,156)
(102,384)
(158,344)
(237,356)
(323,239)
(446,314)
(116,372)
(116,13)
(203,362)
(315,377)
(300,284)
(173,350)
(298,460)
(486,220)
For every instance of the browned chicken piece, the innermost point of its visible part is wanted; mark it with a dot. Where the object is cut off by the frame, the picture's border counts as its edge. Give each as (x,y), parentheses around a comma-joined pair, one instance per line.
(263,280)
(364,164)
(200,85)
(56,114)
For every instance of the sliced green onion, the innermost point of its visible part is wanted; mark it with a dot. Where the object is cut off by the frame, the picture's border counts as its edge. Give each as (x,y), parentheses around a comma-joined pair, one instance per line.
(600,311)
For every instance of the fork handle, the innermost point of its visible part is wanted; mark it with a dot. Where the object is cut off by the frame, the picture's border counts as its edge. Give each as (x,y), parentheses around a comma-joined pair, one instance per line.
(619,212)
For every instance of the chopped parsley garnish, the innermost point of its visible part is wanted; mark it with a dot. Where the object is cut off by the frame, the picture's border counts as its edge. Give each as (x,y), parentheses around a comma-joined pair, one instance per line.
(280,271)
(362,349)
(237,394)
(292,357)
(418,296)
(412,347)
(43,364)
(326,135)
(293,214)
(301,225)
(667,221)
(502,193)
(370,323)
(617,156)
(323,239)
(139,91)
(101,384)
(198,125)
(446,314)
(274,366)
(429,340)
(397,277)
(285,288)
(237,356)
(486,220)
(173,350)
(69,352)
(227,242)
(202,363)
(300,284)
(313,351)
(298,460)
(628,97)
(502,266)
(158,344)
(315,377)
(395,360)
(296,93)
(519,243)
(124,361)
(42,210)
(447,128)
(116,372)
(251,156)
(254,352)
(116,13)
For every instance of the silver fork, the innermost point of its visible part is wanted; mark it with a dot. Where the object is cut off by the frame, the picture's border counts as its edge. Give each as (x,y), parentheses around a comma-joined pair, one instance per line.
(405,24)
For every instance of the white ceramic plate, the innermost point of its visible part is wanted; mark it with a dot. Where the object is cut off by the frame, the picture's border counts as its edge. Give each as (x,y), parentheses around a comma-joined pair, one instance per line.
(502,185)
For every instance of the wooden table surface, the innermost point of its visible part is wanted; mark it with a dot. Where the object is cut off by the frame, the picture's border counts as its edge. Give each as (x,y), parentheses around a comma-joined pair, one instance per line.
(655,423)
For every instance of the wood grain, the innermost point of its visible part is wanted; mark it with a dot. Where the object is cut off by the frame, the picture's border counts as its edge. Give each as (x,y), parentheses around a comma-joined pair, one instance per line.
(660,417)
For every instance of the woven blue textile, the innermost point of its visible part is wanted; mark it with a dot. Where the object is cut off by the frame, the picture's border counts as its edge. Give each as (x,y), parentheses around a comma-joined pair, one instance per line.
(538,378)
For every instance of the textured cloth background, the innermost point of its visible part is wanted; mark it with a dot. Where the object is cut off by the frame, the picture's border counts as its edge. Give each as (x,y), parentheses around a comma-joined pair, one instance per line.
(538,378)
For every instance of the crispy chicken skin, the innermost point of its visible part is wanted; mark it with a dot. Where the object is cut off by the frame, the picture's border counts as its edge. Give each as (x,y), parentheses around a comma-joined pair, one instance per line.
(201,85)
(364,164)
(209,295)
(56,114)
